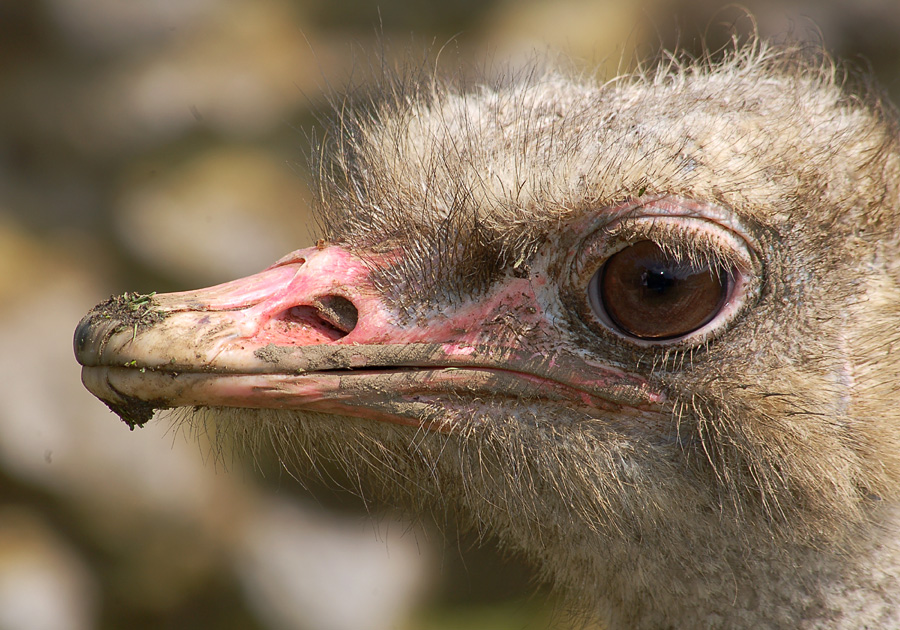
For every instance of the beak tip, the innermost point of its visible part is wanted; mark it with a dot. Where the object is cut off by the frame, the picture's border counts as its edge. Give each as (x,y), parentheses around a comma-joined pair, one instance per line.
(82,337)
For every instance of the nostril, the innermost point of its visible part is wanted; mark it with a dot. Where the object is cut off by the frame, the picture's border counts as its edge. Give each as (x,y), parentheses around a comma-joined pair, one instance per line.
(333,317)
(337,311)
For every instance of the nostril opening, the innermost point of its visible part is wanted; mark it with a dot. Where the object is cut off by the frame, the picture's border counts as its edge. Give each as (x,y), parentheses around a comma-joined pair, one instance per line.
(338,312)
(332,316)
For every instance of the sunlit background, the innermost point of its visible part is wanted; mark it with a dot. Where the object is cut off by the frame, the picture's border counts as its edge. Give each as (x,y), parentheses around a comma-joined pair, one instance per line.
(156,145)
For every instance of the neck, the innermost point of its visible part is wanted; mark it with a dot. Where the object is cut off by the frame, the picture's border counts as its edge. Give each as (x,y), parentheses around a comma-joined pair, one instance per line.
(653,551)
(735,583)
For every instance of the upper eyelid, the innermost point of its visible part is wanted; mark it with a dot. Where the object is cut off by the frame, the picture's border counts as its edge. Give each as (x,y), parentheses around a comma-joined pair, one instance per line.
(690,237)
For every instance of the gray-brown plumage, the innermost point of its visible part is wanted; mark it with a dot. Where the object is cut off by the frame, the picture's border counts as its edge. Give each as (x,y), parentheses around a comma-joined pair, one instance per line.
(646,333)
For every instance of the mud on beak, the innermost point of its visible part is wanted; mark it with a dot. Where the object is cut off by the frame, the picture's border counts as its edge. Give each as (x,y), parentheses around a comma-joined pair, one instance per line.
(313,333)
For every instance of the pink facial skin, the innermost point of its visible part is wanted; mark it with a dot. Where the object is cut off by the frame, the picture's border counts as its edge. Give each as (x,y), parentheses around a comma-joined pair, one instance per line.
(270,341)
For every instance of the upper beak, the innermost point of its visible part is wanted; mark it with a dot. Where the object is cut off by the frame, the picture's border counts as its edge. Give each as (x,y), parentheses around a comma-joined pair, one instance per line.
(313,332)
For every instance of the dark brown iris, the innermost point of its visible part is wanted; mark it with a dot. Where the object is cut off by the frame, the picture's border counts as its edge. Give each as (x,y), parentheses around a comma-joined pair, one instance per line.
(650,294)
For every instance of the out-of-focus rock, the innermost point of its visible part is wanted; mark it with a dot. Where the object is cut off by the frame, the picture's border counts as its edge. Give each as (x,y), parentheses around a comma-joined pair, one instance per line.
(100,25)
(44,584)
(219,215)
(239,73)
(605,33)
(22,261)
(232,68)
(304,570)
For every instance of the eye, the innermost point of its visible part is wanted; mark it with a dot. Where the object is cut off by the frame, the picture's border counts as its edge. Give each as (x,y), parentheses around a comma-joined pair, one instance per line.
(649,294)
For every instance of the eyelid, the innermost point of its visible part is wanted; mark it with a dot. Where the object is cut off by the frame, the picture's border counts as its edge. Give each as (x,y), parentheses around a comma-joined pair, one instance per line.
(685,237)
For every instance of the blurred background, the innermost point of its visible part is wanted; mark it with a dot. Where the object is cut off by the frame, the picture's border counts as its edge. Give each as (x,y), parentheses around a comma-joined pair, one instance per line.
(158,145)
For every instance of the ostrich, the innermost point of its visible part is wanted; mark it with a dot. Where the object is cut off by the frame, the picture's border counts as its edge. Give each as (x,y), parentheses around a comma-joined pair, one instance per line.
(644,332)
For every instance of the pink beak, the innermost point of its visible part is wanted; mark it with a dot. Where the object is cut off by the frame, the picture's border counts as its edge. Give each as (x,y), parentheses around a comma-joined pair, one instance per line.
(314,333)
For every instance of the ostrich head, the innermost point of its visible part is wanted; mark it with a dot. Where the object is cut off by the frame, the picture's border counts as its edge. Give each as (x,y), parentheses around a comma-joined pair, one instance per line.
(646,332)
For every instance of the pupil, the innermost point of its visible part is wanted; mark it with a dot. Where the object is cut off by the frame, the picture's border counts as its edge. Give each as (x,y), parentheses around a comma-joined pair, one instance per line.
(657,280)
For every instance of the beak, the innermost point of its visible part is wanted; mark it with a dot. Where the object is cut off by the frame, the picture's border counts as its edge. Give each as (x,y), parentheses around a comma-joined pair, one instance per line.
(314,332)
